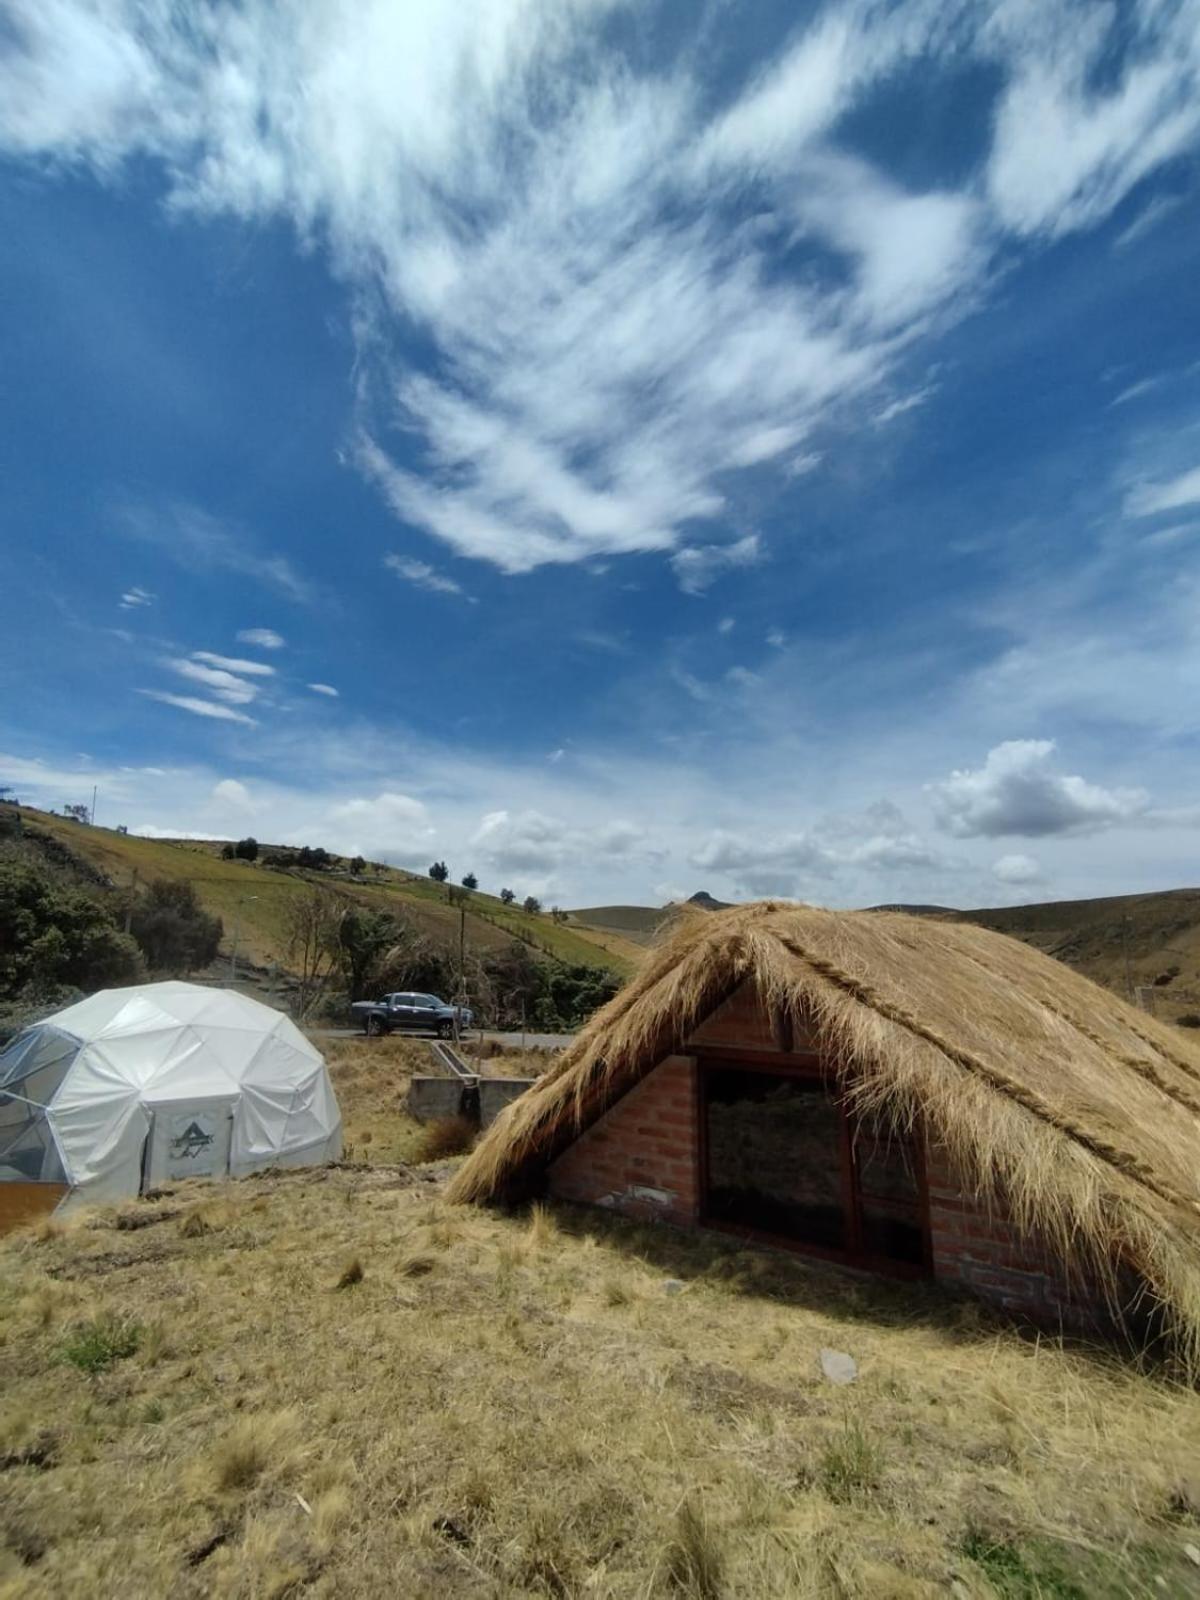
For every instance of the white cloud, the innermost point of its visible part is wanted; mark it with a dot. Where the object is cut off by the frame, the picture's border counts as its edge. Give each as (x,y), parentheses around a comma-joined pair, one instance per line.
(249,669)
(225,685)
(1018,870)
(843,846)
(1017,791)
(421,575)
(776,638)
(264,638)
(908,402)
(325,689)
(1148,499)
(613,338)
(697,566)
(1135,391)
(726,625)
(199,708)
(538,847)
(201,543)
(386,826)
(136,597)
(230,793)
(1065,150)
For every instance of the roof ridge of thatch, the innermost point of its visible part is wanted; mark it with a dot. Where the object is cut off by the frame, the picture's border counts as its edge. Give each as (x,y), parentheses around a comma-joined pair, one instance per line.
(1025,1097)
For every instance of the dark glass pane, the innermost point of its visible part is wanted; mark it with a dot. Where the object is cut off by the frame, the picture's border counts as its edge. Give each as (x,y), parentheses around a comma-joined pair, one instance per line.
(892,1236)
(774,1156)
(886,1167)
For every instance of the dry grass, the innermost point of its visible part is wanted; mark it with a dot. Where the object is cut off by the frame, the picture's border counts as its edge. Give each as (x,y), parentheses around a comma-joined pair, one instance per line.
(446,1137)
(371,1078)
(514,1406)
(1083,1113)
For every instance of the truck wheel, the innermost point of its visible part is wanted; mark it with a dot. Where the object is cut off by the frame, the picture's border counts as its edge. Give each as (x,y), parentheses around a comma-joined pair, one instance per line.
(374,1027)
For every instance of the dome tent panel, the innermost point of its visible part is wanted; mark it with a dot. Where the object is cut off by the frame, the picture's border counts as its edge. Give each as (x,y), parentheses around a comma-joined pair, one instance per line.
(140,1059)
(103,1144)
(286,1126)
(28,1149)
(32,1051)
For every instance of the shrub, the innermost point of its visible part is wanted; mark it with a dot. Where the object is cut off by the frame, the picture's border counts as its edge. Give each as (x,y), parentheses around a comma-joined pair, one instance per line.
(1190,1019)
(94,1346)
(173,929)
(448,1136)
(55,935)
(246,849)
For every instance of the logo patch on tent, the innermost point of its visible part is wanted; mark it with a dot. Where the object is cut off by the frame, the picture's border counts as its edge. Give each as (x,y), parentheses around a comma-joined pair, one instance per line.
(196,1137)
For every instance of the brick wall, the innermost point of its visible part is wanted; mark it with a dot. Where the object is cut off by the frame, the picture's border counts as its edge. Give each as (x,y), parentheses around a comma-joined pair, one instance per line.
(976,1247)
(641,1156)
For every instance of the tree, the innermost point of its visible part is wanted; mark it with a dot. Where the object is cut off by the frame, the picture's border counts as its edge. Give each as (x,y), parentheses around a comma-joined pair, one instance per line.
(470,881)
(314,922)
(366,940)
(558,914)
(314,859)
(173,929)
(439,872)
(246,849)
(228,853)
(507,896)
(77,813)
(54,935)
(358,866)
(531,904)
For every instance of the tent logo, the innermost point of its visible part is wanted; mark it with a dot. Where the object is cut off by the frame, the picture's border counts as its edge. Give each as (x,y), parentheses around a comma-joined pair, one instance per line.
(186,1146)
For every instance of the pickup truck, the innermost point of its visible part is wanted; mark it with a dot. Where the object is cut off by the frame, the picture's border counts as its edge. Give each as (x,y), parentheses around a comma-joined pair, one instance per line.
(419,1011)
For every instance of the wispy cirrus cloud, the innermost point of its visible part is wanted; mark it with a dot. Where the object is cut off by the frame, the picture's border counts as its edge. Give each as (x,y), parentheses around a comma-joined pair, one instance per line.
(198,707)
(200,543)
(698,566)
(422,576)
(1148,499)
(264,638)
(247,669)
(135,598)
(326,689)
(597,272)
(225,685)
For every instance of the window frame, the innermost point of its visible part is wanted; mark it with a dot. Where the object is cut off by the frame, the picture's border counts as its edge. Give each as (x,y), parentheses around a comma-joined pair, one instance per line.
(811,1066)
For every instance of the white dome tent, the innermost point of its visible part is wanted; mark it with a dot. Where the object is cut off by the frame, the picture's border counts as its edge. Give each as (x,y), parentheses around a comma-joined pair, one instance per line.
(135,1087)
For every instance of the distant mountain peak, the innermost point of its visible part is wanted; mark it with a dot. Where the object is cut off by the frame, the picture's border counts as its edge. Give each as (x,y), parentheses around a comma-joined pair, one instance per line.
(706,902)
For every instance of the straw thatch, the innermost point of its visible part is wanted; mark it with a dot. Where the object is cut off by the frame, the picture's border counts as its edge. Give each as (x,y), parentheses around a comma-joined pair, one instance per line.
(1080,1112)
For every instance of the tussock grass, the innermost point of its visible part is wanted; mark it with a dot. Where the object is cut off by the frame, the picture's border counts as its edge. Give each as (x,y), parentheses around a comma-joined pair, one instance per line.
(510,1406)
(448,1136)
(94,1346)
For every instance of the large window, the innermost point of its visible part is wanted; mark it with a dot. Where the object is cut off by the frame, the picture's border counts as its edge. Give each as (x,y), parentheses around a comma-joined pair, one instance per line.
(783,1157)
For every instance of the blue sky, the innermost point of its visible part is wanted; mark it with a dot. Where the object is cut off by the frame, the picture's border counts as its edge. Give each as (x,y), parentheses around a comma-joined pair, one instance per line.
(619,448)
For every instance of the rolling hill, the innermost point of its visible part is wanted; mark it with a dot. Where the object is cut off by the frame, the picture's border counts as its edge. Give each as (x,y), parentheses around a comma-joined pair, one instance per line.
(253,900)
(1142,946)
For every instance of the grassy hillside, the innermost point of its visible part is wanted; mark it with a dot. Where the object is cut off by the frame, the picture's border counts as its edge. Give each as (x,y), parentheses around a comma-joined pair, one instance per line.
(255,899)
(331,1383)
(1124,942)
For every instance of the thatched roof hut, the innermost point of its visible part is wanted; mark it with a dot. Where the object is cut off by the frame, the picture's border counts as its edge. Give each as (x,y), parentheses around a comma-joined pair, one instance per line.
(1048,1097)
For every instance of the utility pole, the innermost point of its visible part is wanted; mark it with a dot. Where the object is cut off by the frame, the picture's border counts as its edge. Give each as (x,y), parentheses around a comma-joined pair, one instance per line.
(237,928)
(1125,920)
(132,896)
(462,972)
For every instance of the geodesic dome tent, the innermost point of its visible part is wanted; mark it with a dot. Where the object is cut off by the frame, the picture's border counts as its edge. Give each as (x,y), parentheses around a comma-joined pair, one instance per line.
(134,1087)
